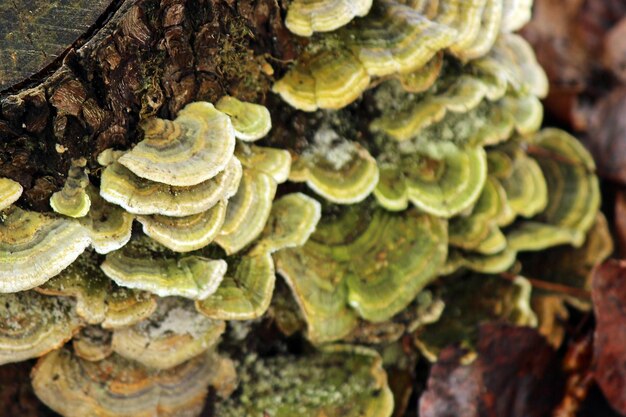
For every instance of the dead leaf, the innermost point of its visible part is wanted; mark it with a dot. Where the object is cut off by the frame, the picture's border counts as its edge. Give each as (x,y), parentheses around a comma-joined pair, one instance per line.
(516,374)
(609,303)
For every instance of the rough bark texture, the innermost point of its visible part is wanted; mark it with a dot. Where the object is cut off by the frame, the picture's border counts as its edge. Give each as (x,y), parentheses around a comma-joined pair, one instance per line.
(150,58)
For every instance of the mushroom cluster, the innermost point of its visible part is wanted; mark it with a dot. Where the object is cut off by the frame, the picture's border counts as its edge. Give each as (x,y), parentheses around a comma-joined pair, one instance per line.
(145,307)
(424,192)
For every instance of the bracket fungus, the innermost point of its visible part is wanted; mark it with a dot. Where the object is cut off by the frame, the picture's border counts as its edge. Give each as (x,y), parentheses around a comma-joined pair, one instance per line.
(75,387)
(250,207)
(443,187)
(92,343)
(341,381)
(139,196)
(32,325)
(264,169)
(339,170)
(398,38)
(35,247)
(144,264)
(435,187)
(98,299)
(362,261)
(187,151)
(173,334)
(10,192)
(250,121)
(109,226)
(307,16)
(185,234)
(73,200)
(246,290)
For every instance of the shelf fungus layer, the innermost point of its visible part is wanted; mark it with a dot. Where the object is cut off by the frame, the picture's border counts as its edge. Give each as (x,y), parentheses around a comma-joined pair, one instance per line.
(307,16)
(109,226)
(145,265)
(140,196)
(185,234)
(33,325)
(75,387)
(247,211)
(250,121)
(10,192)
(173,334)
(392,39)
(398,38)
(98,299)
(573,189)
(246,291)
(443,187)
(187,151)
(362,262)
(341,381)
(339,170)
(35,247)
(73,200)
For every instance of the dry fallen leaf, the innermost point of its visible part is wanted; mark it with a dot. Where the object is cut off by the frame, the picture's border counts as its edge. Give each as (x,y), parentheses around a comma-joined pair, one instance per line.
(516,374)
(609,299)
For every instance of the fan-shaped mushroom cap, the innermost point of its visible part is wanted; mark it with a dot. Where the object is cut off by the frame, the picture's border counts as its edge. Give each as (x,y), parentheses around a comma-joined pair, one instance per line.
(247,211)
(274,162)
(573,189)
(245,292)
(98,300)
(35,247)
(307,16)
(488,31)
(327,80)
(292,220)
(109,226)
(175,333)
(92,343)
(533,236)
(250,121)
(516,13)
(477,262)
(443,187)
(339,170)
(187,151)
(285,386)
(32,324)
(470,232)
(522,179)
(136,195)
(392,39)
(73,200)
(141,265)
(10,192)
(116,387)
(422,78)
(358,259)
(185,234)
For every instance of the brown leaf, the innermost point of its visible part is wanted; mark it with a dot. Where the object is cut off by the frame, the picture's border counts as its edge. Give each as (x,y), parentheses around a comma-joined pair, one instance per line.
(514,375)
(607,135)
(609,301)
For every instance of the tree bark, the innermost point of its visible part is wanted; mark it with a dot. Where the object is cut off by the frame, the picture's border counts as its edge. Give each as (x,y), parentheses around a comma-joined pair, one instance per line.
(145,58)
